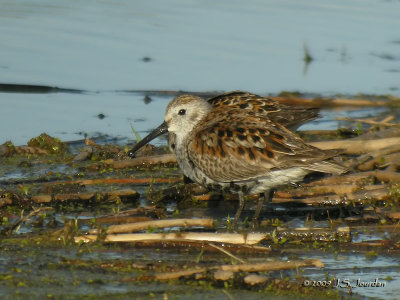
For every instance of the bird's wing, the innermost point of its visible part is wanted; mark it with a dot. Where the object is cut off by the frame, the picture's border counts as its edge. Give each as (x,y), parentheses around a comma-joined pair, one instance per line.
(233,145)
(289,116)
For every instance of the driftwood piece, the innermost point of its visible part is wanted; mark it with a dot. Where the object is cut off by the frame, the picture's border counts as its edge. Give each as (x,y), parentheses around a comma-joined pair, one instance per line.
(370,122)
(360,197)
(320,102)
(232,238)
(381,162)
(139,226)
(351,146)
(385,176)
(302,234)
(338,189)
(273,266)
(375,156)
(144,161)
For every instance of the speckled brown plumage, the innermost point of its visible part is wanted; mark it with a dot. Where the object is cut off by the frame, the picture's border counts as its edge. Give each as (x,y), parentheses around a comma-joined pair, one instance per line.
(231,145)
(289,116)
(241,143)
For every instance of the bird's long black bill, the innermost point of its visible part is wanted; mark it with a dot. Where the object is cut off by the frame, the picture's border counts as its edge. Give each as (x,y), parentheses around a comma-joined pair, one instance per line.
(163,128)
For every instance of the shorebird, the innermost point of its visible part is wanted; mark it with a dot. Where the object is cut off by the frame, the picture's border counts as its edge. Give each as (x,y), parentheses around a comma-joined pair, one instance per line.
(289,116)
(235,146)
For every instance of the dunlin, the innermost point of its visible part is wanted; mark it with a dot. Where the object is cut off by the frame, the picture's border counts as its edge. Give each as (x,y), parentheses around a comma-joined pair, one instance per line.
(238,147)
(289,116)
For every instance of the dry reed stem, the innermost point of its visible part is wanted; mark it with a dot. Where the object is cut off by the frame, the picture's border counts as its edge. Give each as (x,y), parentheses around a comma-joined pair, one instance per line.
(371,122)
(330,102)
(227,253)
(385,176)
(388,119)
(380,161)
(358,146)
(139,226)
(374,155)
(273,266)
(338,189)
(361,196)
(229,238)
(303,234)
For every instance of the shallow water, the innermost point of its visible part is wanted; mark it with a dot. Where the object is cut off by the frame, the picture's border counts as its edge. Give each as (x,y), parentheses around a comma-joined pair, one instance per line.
(71,117)
(202,46)
(107,46)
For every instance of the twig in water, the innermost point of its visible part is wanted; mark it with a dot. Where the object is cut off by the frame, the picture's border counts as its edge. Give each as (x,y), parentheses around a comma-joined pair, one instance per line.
(23,219)
(227,253)
(139,226)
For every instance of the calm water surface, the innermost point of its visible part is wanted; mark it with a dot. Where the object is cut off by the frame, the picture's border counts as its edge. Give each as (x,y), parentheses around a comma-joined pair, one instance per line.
(106,46)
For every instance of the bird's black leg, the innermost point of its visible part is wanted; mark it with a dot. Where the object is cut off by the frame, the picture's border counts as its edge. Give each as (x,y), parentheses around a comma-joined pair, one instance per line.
(265,197)
(240,209)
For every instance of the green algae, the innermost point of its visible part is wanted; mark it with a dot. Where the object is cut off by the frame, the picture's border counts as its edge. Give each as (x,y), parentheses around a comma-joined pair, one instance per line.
(46,142)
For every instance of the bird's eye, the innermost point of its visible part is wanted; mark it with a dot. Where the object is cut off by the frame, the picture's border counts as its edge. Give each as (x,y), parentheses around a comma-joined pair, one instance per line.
(182,112)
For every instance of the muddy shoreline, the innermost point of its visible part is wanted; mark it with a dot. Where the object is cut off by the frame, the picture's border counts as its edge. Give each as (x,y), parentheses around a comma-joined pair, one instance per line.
(82,208)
